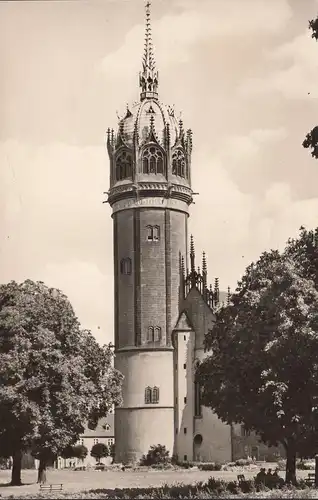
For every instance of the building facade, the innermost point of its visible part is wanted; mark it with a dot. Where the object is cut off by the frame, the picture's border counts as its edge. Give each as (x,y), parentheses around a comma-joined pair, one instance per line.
(163,304)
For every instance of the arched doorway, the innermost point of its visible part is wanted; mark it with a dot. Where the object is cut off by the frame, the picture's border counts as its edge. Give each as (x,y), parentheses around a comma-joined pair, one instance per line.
(197,442)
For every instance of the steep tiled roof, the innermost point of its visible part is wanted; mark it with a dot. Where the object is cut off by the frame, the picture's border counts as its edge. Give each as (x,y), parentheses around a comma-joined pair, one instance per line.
(101,429)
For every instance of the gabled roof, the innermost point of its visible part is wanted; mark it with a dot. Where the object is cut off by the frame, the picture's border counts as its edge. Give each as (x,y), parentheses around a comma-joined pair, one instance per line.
(183,324)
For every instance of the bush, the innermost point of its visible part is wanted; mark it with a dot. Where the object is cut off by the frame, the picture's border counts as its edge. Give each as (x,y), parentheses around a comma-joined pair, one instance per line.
(157,454)
(233,487)
(243,462)
(247,486)
(210,466)
(305,465)
(216,486)
(99,450)
(281,465)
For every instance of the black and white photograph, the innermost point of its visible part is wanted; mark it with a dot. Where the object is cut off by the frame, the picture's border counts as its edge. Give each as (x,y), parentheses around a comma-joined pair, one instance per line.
(158,249)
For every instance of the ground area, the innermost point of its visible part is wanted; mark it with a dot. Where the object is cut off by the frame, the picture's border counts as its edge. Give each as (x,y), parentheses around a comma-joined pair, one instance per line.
(80,481)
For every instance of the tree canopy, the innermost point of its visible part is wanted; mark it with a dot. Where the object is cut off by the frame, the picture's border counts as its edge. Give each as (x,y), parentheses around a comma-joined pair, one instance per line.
(262,367)
(54,376)
(99,450)
(311,139)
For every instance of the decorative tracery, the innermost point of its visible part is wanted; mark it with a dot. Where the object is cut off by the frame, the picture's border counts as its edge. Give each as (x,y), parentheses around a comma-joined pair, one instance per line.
(123,166)
(152,161)
(178,163)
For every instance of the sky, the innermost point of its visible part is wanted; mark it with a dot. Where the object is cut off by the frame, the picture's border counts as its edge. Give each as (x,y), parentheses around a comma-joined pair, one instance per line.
(242,73)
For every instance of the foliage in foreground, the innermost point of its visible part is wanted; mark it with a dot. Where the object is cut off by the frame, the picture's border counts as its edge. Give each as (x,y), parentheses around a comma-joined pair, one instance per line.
(210,489)
(54,376)
(262,370)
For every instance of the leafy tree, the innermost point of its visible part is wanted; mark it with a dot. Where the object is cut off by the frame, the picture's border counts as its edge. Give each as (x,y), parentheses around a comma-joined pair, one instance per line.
(263,367)
(79,451)
(157,454)
(49,387)
(311,140)
(99,450)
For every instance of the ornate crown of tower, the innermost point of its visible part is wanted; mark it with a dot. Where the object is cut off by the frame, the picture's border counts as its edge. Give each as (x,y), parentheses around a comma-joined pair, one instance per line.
(150,155)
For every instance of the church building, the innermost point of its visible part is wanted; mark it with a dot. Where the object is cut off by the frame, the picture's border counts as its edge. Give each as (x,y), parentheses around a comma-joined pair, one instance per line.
(164,304)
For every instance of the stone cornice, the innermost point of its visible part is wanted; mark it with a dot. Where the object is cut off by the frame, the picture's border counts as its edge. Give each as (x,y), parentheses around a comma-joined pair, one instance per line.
(144,190)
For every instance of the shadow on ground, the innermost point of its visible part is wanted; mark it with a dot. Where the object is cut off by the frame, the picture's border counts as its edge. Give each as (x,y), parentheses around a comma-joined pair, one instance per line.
(6,485)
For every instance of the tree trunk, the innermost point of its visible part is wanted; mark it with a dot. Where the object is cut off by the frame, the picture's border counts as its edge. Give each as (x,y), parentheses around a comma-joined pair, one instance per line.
(42,471)
(316,471)
(16,469)
(291,463)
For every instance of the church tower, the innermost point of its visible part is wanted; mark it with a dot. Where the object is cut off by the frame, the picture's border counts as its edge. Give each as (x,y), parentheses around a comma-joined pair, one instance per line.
(150,193)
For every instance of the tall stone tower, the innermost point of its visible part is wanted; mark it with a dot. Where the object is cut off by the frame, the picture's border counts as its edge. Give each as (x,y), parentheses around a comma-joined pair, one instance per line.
(150,192)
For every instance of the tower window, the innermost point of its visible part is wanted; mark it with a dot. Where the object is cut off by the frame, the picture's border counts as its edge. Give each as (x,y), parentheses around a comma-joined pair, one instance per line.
(152,161)
(123,166)
(150,334)
(197,400)
(153,233)
(178,163)
(157,334)
(154,334)
(152,395)
(155,395)
(148,395)
(125,266)
(185,430)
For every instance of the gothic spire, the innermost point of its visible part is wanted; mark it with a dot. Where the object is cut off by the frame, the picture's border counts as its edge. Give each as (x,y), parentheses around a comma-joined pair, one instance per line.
(204,270)
(148,79)
(192,255)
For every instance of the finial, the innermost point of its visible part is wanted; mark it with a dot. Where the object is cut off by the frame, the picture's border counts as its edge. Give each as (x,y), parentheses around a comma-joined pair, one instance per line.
(181,128)
(189,140)
(228,296)
(199,270)
(192,255)
(204,270)
(216,290)
(182,266)
(152,123)
(148,80)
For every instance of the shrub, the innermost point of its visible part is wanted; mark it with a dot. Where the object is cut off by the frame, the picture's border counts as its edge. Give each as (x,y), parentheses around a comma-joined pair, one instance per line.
(216,486)
(99,450)
(157,454)
(233,487)
(281,465)
(241,462)
(305,465)
(247,486)
(210,466)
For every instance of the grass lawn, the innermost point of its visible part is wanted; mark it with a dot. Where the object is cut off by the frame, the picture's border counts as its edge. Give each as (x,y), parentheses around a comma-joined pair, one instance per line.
(80,481)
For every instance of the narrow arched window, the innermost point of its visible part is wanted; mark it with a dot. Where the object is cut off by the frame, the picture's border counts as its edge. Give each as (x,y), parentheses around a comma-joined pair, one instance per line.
(178,163)
(123,166)
(125,266)
(150,334)
(156,233)
(157,334)
(153,233)
(148,395)
(152,161)
(155,395)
